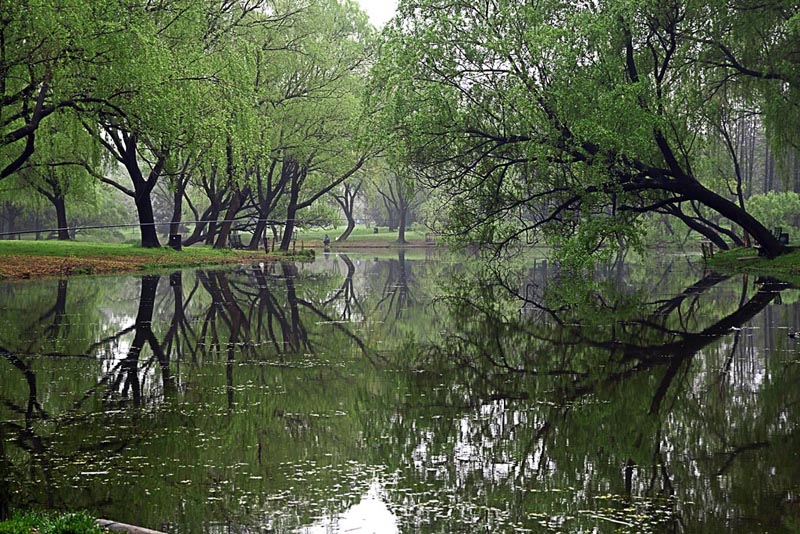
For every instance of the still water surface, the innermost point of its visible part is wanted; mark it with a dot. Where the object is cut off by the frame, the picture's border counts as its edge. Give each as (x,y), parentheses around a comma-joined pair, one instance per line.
(406,394)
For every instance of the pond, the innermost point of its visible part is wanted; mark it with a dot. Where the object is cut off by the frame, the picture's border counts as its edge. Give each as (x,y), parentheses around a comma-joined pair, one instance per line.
(408,393)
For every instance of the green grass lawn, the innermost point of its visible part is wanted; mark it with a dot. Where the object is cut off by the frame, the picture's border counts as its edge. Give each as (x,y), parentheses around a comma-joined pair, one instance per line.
(110,250)
(37,259)
(311,236)
(361,234)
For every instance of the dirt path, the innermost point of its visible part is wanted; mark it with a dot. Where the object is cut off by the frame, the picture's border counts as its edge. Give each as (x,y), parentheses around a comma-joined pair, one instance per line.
(29,266)
(32,266)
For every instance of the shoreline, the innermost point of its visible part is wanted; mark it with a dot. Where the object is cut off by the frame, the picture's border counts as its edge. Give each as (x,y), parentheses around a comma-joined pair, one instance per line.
(20,260)
(39,260)
(745,260)
(16,268)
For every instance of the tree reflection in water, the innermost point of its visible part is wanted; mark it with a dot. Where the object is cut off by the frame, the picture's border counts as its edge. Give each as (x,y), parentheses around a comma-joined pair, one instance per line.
(282,395)
(613,393)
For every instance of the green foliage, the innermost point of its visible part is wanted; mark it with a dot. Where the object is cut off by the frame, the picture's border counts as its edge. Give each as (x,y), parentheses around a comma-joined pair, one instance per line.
(532,115)
(595,238)
(51,523)
(776,210)
(211,93)
(319,214)
(315,116)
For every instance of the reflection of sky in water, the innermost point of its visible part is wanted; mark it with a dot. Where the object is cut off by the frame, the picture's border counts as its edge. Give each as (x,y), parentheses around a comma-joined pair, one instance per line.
(480,448)
(370,516)
(114,352)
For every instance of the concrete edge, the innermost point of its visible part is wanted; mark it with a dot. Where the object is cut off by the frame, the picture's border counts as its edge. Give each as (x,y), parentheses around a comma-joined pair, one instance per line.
(124,527)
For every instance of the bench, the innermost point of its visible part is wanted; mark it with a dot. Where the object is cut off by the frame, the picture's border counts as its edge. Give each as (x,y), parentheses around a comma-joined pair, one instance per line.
(780,235)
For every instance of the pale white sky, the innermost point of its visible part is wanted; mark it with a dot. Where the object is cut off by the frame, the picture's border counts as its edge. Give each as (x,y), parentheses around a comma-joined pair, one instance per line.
(379,11)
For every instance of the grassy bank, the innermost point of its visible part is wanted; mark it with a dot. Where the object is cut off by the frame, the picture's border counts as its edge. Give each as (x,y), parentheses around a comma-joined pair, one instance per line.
(40,259)
(45,523)
(28,258)
(361,236)
(746,260)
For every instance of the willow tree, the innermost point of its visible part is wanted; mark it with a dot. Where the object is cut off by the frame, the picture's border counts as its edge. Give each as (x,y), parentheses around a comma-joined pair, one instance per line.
(48,50)
(567,121)
(175,65)
(232,176)
(750,49)
(62,167)
(314,107)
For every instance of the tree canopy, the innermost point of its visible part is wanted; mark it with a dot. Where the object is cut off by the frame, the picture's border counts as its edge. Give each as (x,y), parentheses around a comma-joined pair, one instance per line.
(557,118)
(514,122)
(209,95)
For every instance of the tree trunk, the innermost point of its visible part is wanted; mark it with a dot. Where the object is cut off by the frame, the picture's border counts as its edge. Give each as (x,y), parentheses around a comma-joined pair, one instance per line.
(258,234)
(61,218)
(288,230)
(126,154)
(351,225)
(268,194)
(198,233)
(237,199)
(392,218)
(291,213)
(212,229)
(213,225)
(692,189)
(402,213)
(147,223)
(177,209)
(347,201)
(701,229)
